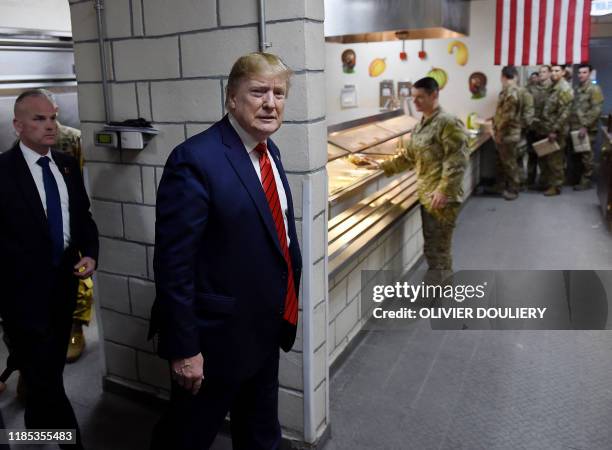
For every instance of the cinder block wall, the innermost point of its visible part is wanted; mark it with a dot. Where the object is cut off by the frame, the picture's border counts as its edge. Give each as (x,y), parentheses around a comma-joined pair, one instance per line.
(168,63)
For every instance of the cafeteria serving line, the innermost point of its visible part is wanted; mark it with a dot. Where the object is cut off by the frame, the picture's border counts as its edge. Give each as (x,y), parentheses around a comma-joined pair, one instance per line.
(161,78)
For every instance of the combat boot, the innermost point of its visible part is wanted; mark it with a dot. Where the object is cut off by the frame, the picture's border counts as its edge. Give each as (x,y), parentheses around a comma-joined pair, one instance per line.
(552,191)
(510,195)
(584,185)
(76,344)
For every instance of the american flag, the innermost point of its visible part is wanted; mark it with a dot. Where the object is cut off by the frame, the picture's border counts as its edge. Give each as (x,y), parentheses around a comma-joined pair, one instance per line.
(533,32)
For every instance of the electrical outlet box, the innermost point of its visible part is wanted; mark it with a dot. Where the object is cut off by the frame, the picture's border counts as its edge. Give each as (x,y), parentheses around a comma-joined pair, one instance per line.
(127,138)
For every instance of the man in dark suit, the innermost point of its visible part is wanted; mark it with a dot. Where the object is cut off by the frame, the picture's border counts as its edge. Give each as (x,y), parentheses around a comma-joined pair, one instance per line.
(227,268)
(48,240)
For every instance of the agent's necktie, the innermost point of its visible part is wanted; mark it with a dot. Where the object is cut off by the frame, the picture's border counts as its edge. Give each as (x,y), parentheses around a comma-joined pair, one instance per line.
(269,186)
(54,211)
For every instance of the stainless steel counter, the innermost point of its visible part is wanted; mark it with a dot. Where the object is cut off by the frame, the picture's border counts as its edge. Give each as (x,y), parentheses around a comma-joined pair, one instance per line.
(346,178)
(379,140)
(477,141)
(350,231)
(334,152)
(383,203)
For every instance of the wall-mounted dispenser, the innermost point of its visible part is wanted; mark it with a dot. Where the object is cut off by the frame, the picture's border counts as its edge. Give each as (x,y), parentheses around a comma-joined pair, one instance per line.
(124,136)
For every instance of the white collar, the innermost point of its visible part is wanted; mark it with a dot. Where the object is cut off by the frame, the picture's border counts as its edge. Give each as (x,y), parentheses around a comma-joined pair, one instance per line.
(247,140)
(31,156)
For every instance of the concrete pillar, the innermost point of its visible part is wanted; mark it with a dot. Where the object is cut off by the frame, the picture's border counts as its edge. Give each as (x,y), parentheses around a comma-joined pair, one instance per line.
(168,63)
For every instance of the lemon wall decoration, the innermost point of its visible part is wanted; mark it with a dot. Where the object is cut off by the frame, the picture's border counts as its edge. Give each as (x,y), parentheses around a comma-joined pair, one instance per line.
(377,67)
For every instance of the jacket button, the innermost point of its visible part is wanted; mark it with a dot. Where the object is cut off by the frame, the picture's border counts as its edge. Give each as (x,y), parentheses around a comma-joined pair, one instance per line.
(284,275)
(281,311)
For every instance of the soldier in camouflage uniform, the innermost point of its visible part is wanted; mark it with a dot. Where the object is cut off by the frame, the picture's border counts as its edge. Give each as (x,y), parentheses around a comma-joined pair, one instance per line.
(438,150)
(555,123)
(533,80)
(586,109)
(507,131)
(69,141)
(539,92)
(527,118)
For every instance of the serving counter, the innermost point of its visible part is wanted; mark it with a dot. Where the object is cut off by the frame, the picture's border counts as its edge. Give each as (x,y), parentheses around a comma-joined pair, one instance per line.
(360,196)
(374,221)
(377,136)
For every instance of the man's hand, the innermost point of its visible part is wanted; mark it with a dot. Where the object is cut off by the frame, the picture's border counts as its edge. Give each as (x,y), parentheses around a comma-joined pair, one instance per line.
(552,137)
(189,372)
(374,164)
(85,267)
(582,132)
(366,161)
(438,200)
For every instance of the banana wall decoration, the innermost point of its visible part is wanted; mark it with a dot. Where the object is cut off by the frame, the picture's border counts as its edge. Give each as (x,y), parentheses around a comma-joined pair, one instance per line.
(461,55)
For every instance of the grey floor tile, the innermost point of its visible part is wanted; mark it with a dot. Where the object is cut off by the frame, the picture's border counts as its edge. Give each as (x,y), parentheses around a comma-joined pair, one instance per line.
(501,390)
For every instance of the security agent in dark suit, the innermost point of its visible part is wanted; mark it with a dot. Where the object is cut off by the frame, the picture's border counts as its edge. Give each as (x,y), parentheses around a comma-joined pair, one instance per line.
(227,268)
(48,240)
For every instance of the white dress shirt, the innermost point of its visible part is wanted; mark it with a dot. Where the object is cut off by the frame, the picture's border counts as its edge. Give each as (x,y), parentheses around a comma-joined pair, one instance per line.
(249,145)
(31,158)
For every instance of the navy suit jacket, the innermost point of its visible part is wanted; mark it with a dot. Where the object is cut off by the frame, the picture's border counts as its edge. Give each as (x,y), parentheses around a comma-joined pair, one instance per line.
(220,275)
(26,270)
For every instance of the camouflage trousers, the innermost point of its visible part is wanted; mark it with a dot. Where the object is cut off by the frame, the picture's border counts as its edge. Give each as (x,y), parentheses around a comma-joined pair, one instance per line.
(532,159)
(507,168)
(84,303)
(438,236)
(522,148)
(553,166)
(532,166)
(586,158)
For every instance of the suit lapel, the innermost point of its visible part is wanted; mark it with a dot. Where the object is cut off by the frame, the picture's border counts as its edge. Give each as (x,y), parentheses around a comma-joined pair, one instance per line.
(240,161)
(28,188)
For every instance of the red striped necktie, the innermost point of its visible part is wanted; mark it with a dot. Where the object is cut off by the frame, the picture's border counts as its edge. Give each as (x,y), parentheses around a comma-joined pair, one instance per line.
(269,186)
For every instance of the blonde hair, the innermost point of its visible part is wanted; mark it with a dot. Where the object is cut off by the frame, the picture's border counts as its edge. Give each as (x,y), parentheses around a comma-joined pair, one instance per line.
(257,63)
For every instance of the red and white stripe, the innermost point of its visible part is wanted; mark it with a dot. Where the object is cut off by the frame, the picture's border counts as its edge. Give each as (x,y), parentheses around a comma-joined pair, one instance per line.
(533,32)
